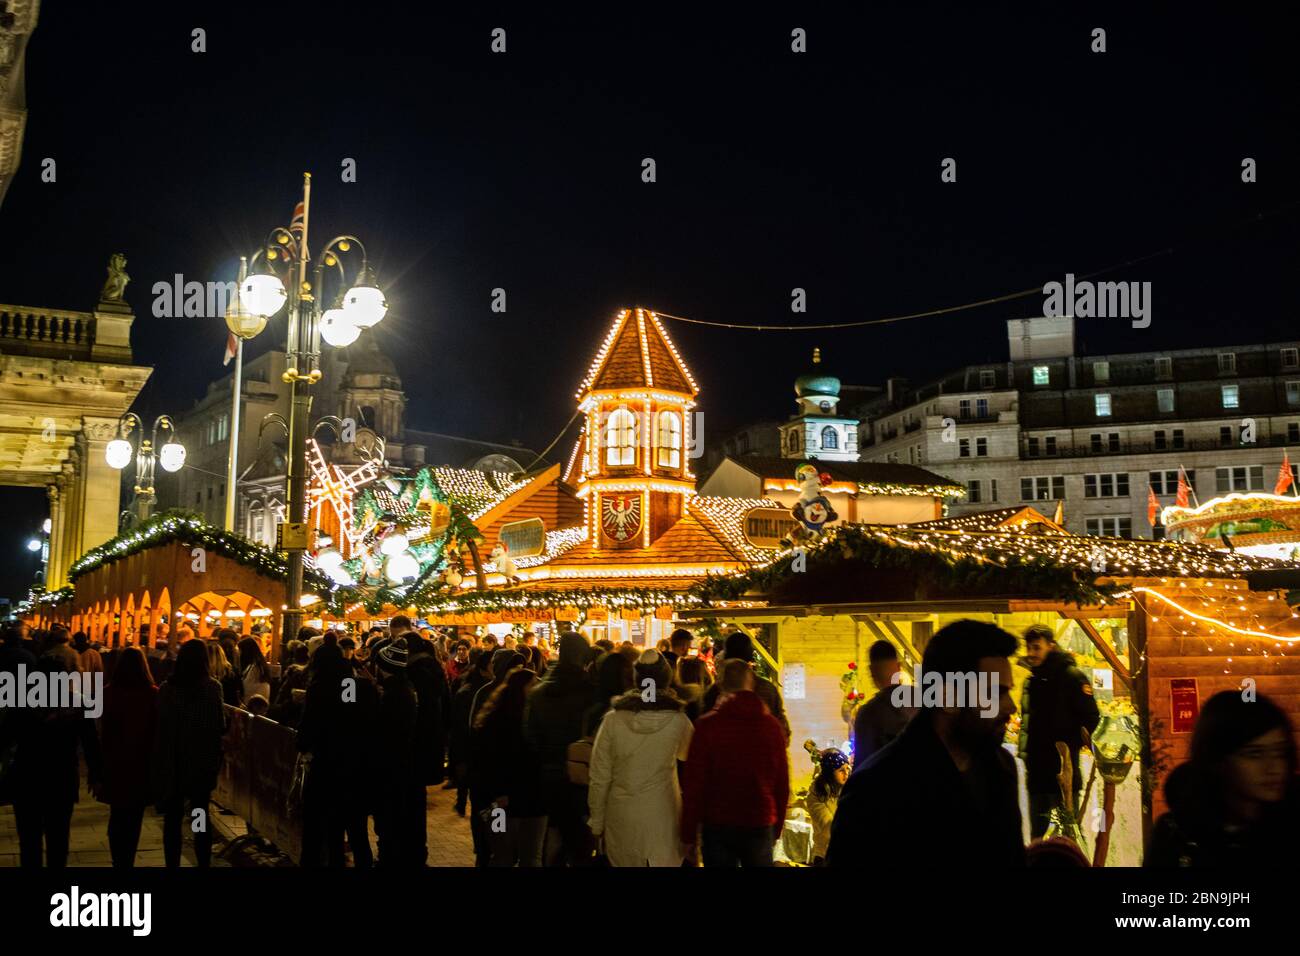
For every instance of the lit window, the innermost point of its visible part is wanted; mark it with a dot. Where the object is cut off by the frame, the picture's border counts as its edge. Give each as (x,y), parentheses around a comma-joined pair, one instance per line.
(670,440)
(1231,396)
(1165,399)
(1101,404)
(1041,375)
(1101,372)
(830,438)
(620,438)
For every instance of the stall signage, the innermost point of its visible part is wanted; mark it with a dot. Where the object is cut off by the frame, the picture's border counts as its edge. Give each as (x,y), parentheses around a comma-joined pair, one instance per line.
(793,681)
(524,539)
(1184,704)
(765,527)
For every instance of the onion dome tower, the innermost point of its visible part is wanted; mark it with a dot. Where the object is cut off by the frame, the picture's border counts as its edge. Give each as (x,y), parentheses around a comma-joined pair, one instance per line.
(817,430)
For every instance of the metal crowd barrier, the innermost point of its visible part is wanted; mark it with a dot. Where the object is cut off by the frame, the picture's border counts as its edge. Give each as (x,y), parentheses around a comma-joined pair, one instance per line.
(256,776)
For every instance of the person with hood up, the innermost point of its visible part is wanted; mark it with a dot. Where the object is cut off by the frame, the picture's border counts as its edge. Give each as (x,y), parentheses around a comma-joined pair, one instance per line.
(634,796)
(1236,803)
(553,720)
(1057,705)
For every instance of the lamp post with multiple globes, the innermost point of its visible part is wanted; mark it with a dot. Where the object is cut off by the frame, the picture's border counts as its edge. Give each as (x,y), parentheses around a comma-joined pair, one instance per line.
(279,278)
(130,441)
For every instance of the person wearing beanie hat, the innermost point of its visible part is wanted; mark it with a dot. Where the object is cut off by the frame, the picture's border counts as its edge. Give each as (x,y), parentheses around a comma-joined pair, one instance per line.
(654,667)
(833,769)
(400,799)
(633,796)
(392,658)
(552,721)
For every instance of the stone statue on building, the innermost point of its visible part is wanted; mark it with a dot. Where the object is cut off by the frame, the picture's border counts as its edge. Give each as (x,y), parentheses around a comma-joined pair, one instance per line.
(115,284)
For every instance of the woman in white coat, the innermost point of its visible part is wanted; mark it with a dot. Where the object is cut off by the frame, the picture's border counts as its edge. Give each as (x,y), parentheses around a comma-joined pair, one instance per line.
(634,796)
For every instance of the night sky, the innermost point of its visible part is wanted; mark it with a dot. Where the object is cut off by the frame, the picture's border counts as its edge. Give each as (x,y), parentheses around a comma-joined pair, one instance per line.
(775,170)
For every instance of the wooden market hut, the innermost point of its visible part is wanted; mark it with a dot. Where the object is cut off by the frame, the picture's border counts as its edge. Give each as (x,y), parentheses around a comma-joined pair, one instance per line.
(1161,626)
(173,569)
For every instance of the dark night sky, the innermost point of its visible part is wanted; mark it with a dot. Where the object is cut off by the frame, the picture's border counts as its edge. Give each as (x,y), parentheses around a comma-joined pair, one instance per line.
(775,170)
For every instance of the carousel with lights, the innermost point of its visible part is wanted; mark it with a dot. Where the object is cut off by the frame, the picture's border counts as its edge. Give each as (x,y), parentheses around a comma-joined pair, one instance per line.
(1258,523)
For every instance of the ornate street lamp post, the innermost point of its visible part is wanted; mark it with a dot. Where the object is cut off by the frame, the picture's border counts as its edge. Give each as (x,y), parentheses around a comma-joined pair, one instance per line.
(279,278)
(130,441)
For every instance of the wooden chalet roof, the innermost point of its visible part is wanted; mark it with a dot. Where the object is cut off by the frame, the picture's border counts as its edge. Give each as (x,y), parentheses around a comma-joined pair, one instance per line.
(870,476)
(637,353)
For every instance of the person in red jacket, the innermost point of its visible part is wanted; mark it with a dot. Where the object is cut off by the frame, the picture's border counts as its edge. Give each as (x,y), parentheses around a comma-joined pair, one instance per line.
(737,777)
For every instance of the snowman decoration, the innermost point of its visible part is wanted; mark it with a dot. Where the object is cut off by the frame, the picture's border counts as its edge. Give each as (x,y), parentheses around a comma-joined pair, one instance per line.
(505,564)
(813,510)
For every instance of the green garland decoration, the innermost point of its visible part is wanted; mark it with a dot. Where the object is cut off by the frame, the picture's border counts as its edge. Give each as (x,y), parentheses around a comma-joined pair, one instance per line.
(1011,574)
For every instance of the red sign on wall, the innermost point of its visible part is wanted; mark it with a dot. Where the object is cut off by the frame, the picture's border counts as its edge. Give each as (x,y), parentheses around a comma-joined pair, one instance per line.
(1184,704)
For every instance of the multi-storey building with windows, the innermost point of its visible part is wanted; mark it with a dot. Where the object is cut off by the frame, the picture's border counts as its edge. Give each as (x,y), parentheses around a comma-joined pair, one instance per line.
(1094,432)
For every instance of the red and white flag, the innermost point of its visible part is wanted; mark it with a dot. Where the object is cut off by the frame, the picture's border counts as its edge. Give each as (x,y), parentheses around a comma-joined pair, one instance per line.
(232,348)
(1284,477)
(1184,488)
(1153,506)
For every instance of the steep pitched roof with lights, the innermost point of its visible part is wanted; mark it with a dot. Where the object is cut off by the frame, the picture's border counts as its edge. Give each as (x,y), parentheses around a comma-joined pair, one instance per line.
(637,353)
(997,519)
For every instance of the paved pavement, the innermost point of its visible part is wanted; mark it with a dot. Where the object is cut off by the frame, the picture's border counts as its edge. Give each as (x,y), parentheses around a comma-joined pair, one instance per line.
(449,838)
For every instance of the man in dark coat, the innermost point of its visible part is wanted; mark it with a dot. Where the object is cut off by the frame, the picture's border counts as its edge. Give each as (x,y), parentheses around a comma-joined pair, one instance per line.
(948,771)
(739,647)
(46,772)
(1058,704)
(340,720)
(400,816)
(879,720)
(553,720)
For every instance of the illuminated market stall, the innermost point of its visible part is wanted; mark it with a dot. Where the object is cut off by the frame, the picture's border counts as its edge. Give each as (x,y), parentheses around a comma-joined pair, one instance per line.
(1160,627)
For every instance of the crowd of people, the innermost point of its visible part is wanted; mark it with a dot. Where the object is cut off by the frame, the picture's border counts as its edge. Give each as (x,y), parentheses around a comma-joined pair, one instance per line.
(589,754)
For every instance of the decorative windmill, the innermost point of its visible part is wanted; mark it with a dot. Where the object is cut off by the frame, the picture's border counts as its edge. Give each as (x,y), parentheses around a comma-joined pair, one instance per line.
(330,483)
